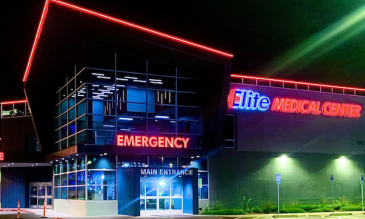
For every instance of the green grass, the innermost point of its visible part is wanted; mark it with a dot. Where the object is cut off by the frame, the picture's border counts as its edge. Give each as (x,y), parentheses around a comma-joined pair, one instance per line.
(224,212)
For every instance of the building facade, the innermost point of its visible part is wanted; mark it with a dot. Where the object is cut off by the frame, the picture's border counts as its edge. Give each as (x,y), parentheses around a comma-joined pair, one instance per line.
(128,120)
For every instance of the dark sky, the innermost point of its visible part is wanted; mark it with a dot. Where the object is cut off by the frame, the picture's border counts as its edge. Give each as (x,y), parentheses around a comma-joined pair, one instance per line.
(294,39)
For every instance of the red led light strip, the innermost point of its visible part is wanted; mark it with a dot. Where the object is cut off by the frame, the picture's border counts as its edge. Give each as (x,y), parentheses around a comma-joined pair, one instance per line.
(110,18)
(12,102)
(35,43)
(296,82)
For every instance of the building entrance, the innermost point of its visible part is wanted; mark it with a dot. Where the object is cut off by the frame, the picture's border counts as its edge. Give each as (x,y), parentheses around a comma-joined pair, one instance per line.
(40,193)
(161,195)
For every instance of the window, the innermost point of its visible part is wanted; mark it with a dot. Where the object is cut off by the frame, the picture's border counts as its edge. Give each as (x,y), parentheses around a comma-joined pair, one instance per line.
(31,143)
(230,132)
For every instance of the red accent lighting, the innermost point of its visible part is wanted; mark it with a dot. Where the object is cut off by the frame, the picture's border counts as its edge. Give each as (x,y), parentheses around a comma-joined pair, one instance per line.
(296,82)
(35,43)
(113,19)
(13,102)
(1,156)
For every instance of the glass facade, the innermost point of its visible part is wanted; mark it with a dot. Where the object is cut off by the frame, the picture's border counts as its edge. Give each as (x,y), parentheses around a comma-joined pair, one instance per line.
(93,177)
(130,95)
(12,110)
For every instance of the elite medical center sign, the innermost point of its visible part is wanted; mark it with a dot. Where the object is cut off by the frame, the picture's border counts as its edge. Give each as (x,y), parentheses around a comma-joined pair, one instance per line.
(251,100)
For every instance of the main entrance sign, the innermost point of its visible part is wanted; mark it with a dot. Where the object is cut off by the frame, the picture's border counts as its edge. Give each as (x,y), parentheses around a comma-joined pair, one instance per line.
(250,100)
(146,141)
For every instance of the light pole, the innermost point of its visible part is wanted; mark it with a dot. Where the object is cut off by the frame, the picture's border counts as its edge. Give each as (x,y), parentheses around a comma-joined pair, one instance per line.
(332,178)
(278,182)
(362,192)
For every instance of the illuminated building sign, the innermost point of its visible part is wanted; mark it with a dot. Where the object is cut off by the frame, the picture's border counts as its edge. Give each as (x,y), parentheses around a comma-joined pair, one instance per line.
(145,141)
(166,172)
(249,100)
(1,155)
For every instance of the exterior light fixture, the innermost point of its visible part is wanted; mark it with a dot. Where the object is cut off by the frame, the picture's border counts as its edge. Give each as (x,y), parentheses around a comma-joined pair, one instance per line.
(283,157)
(342,158)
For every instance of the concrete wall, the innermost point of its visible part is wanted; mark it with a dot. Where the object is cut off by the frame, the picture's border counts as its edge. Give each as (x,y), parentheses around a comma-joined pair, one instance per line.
(305,177)
(85,208)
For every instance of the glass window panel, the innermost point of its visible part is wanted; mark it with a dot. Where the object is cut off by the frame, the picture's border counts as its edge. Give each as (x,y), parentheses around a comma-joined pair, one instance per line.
(41,201)
(101,138)
(57,180)
(190,85)
(195,141)
(102,92)
(161,125)
(71,85)
(151,204)
(49,190)
(63,167)
(176,188)
(72,164)
(101,107)
(81,94)
(151,188)
(33,201)
(91,192)
(204,177)
(81,138)
(63,106)
(81,123)
(63,192)
(63,144)
(162,111)
(81,178)
(72,179)
(169,162)
(57,135)
(56,169)
(129,63)
(190,113)
(7,110)
(190,99)
(81,193)
(19,109)
(81,109)
(64,119)
(132,161)
(80,78)
(164,204)
(101,77)
(163,187)
(63,179)
(142,189)
(71,114)
(71,128)
(157,82)
(57,97)
(57,193)
(102,122)
(159,68)
(176,203)
(71,100)
(142,203)
(71,141)
(131,124)
(100,162)
(33,191)
(203,192)
(132,109)
(164,97)
(190,127)
(49,201)
(81,163)
(72,193)
(131,80)
(187,73)
(63,94)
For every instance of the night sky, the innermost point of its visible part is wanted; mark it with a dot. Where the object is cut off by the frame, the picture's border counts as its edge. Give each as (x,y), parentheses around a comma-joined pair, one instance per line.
(308,40)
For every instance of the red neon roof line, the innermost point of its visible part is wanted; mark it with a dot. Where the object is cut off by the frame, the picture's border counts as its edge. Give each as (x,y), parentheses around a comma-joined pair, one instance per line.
(296,82)
(141,28)
(12,102)
(35,43)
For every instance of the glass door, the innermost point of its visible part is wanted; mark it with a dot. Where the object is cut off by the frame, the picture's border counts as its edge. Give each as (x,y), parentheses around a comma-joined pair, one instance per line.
(160,196)
(40,193)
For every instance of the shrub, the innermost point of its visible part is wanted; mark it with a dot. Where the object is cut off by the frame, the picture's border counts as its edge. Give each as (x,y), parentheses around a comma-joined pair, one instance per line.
(309,207)
(351,208)
(268,207)
(224,212)
(245,204)
(216,205)
(256,209)
(292,210)
(342,201)
(327,209)
(205,208)
(316,210)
